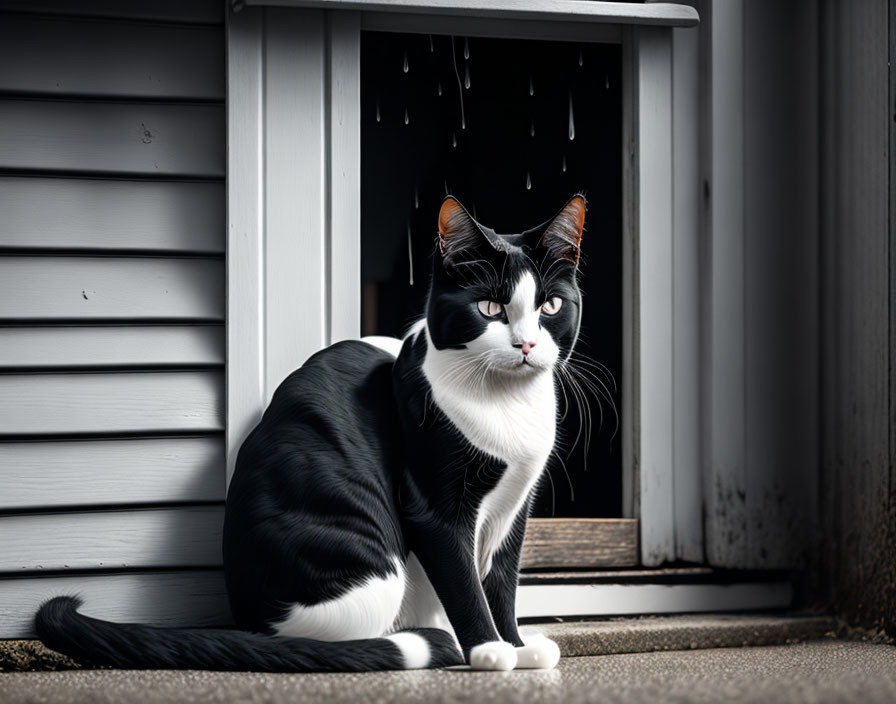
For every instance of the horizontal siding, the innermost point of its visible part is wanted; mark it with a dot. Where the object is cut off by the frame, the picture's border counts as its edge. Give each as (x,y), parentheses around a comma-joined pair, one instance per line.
(171,599)
(84,288)
(119,215)
(122,138)
(40,475)
(163,537)
(111,346)
(112,282)
(125,402)
(201,11)
(55,56)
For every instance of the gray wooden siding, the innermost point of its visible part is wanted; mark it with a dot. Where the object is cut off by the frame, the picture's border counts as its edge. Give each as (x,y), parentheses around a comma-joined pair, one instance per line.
(112,303)
(761,287)
(859,305)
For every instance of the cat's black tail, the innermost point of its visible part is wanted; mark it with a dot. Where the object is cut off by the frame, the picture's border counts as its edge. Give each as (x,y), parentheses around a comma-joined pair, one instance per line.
(134,646)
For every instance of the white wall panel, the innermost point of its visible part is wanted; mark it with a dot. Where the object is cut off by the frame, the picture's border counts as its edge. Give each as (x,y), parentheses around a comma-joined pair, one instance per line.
(120,215)
(117,402)
(82,288)
(152,139)
(50,56)
(169,537)
(40,475)
(175,598)
(110,346)
(187,11)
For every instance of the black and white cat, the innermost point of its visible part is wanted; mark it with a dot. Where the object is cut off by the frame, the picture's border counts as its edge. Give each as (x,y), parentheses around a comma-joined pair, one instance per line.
(376,514)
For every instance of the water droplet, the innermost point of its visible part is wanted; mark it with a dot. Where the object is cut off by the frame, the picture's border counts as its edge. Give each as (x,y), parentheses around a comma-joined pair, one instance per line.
(467,77)
(416,198)
(474,212)
(406,68)
(466,47)
(378,118)
(532,128)
(410,257)
(528,182)
(454,140)
(407,119)
(607,83)
(572,124)
(564,163)
(432,47)
(581,58)
(446,188)
(531,87)
(440,87)
(460,90)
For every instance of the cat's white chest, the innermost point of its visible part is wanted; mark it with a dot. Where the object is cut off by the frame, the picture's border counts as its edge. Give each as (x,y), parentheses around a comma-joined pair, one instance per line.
(514,424)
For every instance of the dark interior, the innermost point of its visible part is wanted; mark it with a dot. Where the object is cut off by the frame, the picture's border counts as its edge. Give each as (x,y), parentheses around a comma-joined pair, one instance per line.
(509,150)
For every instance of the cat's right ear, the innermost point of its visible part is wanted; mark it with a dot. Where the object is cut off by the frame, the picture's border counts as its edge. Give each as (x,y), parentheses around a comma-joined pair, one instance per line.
(458,232)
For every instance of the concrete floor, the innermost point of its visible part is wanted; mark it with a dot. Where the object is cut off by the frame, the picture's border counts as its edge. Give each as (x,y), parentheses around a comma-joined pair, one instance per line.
(818,671)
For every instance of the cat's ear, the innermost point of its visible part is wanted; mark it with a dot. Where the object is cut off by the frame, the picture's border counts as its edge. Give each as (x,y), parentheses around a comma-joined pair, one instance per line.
(563,235)
(458,232)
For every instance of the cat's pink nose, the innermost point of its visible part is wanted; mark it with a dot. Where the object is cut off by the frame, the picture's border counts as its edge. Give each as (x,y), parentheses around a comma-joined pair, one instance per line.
(527,347)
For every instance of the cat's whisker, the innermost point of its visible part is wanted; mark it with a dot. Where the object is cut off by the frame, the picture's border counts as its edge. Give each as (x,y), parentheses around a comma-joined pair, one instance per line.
(572,492)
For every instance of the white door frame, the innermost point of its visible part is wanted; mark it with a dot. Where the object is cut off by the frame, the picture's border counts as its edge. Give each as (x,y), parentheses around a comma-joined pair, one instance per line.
(294,200)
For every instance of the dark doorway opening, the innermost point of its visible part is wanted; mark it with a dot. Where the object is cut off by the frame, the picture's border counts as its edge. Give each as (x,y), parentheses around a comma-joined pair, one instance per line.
(512,128)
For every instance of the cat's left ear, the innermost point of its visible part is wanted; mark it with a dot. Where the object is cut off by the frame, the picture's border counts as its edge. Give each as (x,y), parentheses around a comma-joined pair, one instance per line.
(563,235)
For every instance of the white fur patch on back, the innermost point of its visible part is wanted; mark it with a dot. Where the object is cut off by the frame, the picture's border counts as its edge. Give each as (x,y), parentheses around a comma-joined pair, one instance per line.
(368,610)
(392,345)
(414,649)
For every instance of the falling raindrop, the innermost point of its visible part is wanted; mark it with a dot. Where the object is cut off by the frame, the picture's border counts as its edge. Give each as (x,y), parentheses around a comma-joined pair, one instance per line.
(572,124)
(410,257)
(407,119)
(528,182)
(581,58)
(406,68)
(432,47)
(416,198)
(440,87)
(454,140)
(532,128)
(446,188)
(607,83)
(466,47)
(531,87)
(460,90)
(378,118)
(474,212)
(467,77)
(564,163)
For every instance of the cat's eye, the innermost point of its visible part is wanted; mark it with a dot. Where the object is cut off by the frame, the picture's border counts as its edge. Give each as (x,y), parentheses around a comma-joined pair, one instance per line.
(552,306)
(490,309)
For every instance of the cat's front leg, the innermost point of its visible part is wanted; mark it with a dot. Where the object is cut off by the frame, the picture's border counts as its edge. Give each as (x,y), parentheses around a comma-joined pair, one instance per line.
(533,649)
(449,564)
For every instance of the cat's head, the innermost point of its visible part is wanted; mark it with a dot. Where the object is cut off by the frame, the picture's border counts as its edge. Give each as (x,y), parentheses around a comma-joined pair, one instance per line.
(510,301)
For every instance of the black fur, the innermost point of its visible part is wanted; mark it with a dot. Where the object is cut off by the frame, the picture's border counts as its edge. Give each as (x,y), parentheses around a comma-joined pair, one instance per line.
(135,646)
(311,509)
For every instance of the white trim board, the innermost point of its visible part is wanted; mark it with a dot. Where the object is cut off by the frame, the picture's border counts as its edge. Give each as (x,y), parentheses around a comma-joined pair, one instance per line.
(662,14)
(548,600)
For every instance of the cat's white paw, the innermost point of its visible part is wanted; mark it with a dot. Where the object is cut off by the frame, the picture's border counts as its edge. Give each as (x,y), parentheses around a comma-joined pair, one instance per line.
(538,653)
(494,655)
